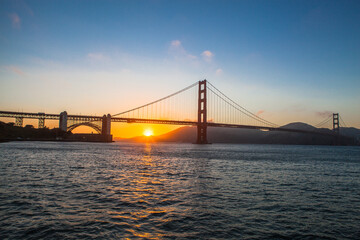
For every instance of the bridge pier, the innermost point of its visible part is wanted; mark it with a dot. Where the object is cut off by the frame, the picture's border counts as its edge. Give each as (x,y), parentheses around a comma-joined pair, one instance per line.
(202,114)
(19,121)
(41,123)
(106,128)
(63,121)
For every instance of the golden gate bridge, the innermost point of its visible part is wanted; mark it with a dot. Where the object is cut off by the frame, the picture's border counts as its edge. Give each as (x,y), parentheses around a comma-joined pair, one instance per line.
(200,104)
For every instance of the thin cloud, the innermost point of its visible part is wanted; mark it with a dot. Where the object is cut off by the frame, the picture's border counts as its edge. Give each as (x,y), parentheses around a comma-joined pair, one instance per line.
(324,114)
(207,55)
(176,49)
(15,20)
(176,43)
(15,70)
(98,57)
(260,112)
(218,71)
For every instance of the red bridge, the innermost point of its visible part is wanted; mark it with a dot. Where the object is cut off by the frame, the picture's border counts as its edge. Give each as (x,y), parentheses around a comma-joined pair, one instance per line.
(200,104)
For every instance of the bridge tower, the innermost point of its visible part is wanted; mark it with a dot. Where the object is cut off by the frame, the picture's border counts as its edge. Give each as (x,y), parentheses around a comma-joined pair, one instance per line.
(336,128)
(63,121)
(202,114)
(336,123)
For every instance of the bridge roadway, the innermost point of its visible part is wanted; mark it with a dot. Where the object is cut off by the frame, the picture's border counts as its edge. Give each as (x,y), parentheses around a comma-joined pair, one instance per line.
(88,118)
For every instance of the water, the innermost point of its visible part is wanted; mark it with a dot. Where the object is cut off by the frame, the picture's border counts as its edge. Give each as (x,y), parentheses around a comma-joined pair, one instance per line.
(178,191)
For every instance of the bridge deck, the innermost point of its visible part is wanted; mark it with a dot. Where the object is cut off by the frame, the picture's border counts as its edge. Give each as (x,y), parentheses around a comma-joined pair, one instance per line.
(88,118)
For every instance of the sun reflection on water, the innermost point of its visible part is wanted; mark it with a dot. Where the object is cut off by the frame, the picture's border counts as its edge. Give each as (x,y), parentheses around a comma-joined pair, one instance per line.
(144,196)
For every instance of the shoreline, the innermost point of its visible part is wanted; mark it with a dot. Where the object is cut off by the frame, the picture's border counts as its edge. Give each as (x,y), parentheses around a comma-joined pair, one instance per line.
(48,140)
(71,140)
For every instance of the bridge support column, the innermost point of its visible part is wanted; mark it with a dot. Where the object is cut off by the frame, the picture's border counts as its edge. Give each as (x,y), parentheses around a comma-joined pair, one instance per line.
(19,121)
(336,127)
(106,128)
(63,121)
(202,114)
(41,123)
(336,122)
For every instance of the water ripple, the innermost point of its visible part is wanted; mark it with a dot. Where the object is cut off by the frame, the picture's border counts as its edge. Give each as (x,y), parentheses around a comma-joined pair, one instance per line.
(178,191)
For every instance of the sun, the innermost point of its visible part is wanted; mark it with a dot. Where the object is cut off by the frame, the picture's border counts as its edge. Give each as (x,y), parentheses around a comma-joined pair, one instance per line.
(148,132)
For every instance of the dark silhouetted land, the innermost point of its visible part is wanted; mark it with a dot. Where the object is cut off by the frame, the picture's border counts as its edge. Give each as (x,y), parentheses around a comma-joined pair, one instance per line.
(350,136)
(9,132)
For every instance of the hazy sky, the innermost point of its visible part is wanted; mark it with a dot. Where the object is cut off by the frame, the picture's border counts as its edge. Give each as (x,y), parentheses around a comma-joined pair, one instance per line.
(289,60)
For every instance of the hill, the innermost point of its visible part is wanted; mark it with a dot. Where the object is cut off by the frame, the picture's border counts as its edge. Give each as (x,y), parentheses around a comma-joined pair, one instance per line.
(253,136)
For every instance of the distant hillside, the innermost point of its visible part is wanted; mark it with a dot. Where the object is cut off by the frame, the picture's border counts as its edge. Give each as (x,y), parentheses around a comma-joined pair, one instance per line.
(299,126)
(351,132)
(253,136)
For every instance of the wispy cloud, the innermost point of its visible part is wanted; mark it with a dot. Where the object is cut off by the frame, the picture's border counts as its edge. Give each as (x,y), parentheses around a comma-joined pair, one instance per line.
(260,112)
(15,70)
(175,43)
(177,49)
(15,20)
(199,62)
(207,55)
(324,114)
(98,57)
(218,71)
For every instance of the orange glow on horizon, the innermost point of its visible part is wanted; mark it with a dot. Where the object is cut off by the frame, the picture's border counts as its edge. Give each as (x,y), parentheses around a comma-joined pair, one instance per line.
(125,130)
(148,133)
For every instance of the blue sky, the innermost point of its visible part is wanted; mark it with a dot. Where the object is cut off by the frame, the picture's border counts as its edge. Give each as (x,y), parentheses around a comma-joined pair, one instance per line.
(292,60)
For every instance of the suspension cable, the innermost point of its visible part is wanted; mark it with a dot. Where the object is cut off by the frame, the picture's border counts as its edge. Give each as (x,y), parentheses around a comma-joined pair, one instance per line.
(343,121)
(244,109)
(158,100)
(323,122)
(235,107)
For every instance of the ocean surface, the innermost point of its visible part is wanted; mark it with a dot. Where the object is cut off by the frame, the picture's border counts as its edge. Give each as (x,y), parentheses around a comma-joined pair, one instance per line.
(52,190)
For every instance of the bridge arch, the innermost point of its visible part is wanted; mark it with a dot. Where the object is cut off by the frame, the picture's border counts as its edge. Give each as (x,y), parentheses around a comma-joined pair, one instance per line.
(88,124)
